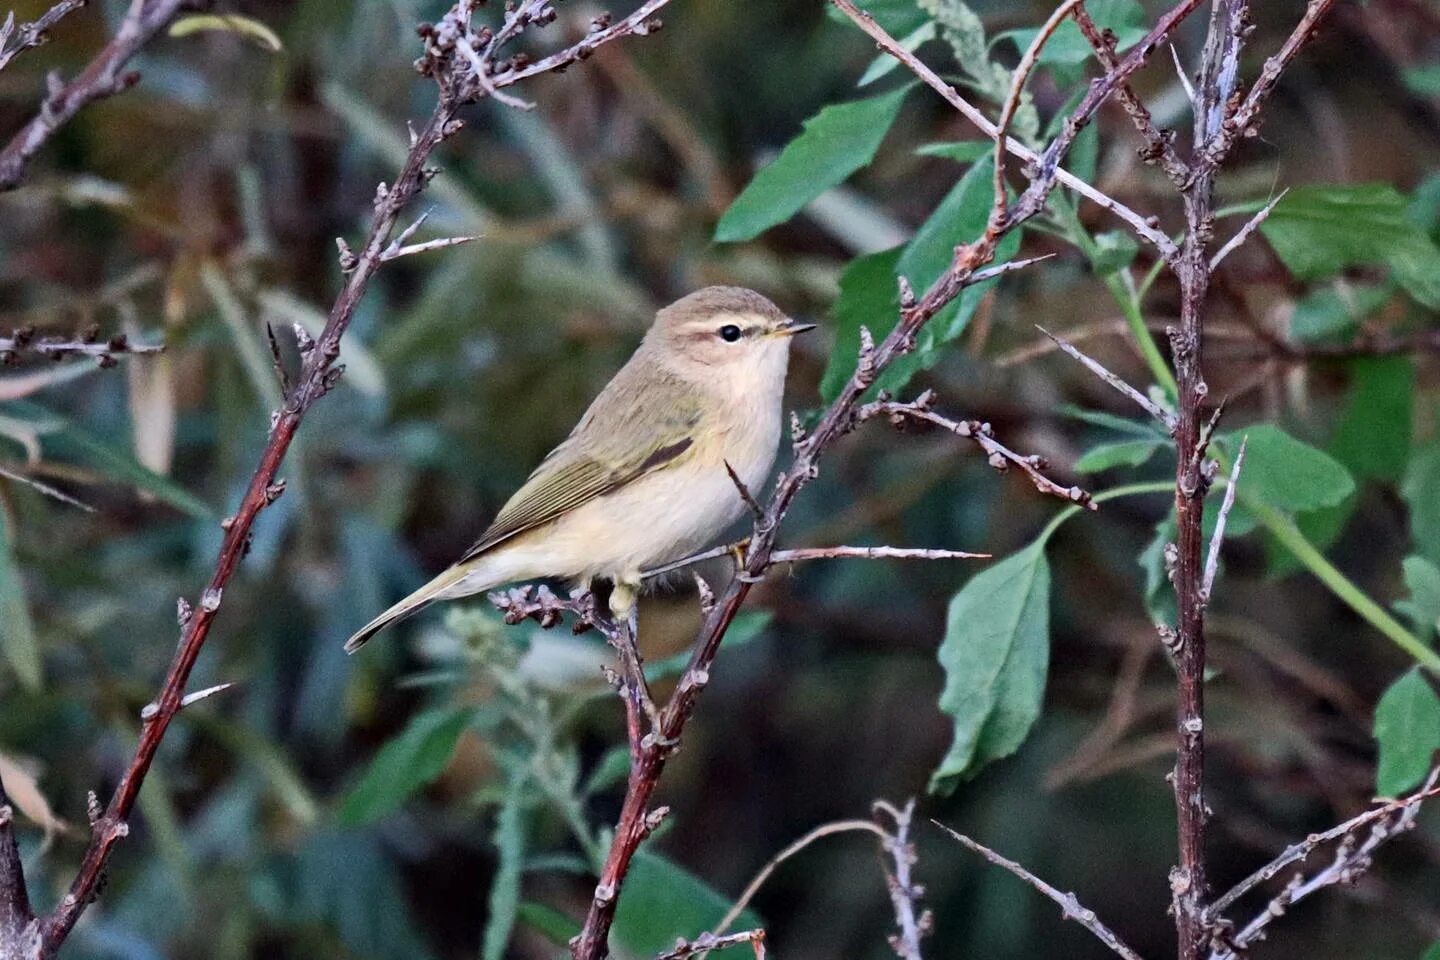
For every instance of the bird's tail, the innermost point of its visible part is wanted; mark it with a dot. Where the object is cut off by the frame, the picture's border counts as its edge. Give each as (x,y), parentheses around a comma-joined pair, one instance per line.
(419,600)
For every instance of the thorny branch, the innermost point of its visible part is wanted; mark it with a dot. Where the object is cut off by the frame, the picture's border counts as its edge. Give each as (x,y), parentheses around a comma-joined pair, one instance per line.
(87,344)
(459,85)
(905,893)
(1353,857)
(34,33)
(838,420)
(104,76)
(1070,906)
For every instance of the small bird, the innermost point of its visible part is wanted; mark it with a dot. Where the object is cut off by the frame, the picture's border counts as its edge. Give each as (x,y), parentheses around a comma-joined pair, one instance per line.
(642,481)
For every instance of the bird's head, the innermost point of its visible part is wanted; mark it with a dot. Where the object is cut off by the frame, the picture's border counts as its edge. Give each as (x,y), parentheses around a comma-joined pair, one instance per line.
(728,332)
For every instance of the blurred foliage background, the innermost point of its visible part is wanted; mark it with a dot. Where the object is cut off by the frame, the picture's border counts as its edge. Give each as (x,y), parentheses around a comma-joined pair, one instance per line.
(445,793)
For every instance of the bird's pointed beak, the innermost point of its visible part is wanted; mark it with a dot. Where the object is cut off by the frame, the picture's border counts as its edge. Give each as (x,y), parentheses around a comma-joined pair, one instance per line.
(791,327)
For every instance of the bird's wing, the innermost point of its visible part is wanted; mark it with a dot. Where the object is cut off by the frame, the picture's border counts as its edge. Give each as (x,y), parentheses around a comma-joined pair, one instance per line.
(582,468)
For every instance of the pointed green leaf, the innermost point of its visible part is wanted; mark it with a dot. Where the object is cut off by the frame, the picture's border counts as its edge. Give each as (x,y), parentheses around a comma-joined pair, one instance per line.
(1107,456)
(247,27)
(18,638)
(1335,311)
(1407,727)
(836,142)
(963,151)
(995,653)
(884,63)
(1318,231)
(551,923)
(410,761)
(868,297)
(1068,46)
(1372,439)
(1288,474)
(1422,480)
(1422,580)
(505,888)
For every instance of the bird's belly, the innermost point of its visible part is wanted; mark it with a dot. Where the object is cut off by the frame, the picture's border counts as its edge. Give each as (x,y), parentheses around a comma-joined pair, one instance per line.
(654,520)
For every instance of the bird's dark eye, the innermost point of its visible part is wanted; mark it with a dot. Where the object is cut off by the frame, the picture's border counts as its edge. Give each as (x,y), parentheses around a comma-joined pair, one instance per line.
(729,333)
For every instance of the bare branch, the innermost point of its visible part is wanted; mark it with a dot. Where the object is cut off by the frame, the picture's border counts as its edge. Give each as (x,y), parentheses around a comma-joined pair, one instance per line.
(1070,907)
(46,489)
(1244,232)
(1212,561)
(395,253)
(1159,144)
(1001,457)
(88,344)
(1166,418)
(15,914)
(1353,858)
(103,77)
(905,893)
(1141,225)
(1242,122)
(32,34)
(703,944)
(816,553)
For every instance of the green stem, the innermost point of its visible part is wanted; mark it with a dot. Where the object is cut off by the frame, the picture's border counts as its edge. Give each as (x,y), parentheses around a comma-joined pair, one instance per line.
(1129,490)
(1289,535)
(1129,301)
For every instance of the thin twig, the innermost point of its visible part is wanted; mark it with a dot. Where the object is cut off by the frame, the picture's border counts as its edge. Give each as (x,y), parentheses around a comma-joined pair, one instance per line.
(103,77)
(905,893)
(1212,561)
(88,344)
(819,833)
(34,33)
(1244,232)
(46,489)
(1000,456)
(16,916)
(1353,858)
(817,553)
(1242,122)
(1166,418)
(1140,224)
(1159,144)
(703,944)
(1070,907)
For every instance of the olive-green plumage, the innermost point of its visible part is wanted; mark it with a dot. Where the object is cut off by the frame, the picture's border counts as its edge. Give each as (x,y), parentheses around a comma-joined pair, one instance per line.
(642,478)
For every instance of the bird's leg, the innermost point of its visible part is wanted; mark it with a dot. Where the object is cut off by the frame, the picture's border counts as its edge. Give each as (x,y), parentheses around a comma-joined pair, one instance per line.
(624,639)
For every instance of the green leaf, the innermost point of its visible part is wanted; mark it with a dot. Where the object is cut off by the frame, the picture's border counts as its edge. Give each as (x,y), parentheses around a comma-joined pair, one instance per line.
(1336,311)
(896,16)
(1140,428)
(995,653)
(410,761)
(962,151)
(1114,251)
(1433,953)
(1159,596)
(836,142)
(551,923)
(960,218)
(613,767)
(1372,439)
(1407,728)
(1422,479)
(1069,47)
(1424,80)
(1107,456)
(868,297)
(1287,474)
(505,888)
(661,902)
(884,63)
(1318,231)
(1422,579)
(18,637)
(252,30)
